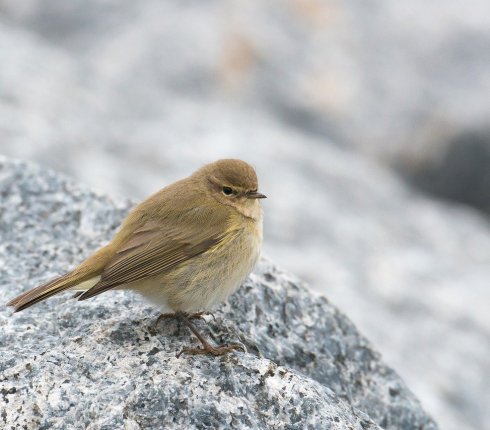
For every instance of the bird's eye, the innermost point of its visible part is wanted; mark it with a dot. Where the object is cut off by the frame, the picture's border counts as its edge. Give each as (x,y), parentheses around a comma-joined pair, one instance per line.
(227,191)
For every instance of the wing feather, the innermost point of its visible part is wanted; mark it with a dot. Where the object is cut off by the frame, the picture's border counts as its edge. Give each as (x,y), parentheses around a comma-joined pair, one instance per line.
(154,249)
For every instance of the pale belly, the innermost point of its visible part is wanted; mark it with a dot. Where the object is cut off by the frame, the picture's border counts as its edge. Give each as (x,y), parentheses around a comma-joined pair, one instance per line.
(207,279)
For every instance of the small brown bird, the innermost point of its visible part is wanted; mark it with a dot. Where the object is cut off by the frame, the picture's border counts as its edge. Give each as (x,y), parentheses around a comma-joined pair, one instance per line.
(185,248)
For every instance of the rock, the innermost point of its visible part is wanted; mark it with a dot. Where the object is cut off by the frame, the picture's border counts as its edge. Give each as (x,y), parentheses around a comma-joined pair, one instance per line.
(104,364)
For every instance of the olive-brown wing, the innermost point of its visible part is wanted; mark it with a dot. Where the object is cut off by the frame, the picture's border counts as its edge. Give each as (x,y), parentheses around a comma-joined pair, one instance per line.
(155,249)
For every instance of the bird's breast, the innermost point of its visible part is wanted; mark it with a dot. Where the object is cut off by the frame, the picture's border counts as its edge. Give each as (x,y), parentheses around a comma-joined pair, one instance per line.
(212,276)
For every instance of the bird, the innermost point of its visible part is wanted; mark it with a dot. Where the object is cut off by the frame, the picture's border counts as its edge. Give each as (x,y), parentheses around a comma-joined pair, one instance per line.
(185,249)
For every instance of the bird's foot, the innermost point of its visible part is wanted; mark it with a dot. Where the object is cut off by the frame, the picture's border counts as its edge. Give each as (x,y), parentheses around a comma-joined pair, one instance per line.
(212,350)
(201,315)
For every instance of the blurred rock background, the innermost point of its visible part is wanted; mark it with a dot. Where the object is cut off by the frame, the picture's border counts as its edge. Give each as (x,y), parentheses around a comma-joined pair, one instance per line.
(350,111)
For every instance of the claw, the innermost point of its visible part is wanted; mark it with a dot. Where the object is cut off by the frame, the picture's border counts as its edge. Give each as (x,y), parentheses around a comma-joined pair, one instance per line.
(211,350)
(200,316)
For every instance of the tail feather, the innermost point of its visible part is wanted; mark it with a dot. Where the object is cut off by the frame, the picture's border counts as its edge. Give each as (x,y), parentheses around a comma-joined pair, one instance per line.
(58,285)
(84,277)
(43,292)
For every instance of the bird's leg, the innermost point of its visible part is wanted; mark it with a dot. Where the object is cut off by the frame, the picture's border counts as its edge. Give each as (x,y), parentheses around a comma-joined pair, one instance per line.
(172,315)
(207,347)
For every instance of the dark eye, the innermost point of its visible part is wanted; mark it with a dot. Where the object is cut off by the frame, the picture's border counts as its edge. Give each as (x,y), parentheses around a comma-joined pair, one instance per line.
(227,191)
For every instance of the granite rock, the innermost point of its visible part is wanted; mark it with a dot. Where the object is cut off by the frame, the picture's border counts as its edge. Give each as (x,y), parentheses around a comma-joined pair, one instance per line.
(105,364)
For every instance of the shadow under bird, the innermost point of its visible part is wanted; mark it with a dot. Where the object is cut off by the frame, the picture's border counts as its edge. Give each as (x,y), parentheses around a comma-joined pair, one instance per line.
(185,249)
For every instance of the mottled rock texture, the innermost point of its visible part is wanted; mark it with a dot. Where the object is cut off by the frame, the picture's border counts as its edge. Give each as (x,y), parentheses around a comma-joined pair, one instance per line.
(103,364)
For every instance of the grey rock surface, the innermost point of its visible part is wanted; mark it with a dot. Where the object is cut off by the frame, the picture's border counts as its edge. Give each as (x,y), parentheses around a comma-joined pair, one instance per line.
(104,364)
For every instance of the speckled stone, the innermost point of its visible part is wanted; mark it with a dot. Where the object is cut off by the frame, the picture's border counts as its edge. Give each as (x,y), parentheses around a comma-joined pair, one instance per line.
(103,364)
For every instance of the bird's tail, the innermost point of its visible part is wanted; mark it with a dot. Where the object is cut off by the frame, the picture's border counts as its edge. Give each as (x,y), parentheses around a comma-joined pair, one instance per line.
(82,278)
(58,285)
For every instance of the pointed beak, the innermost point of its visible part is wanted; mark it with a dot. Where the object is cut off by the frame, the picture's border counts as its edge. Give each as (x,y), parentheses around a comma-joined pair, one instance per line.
(255,195)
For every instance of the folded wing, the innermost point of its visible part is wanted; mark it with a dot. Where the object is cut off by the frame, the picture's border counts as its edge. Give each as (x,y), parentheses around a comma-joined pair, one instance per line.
(157,247)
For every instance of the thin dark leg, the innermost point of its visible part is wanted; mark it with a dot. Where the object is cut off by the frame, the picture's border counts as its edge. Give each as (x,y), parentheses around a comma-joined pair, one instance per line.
(172,315)
(207,347)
